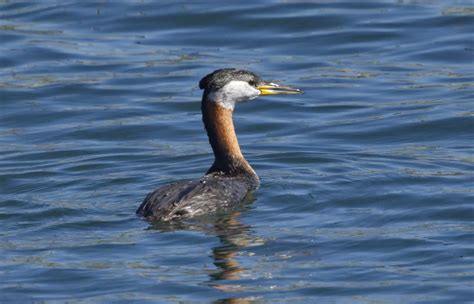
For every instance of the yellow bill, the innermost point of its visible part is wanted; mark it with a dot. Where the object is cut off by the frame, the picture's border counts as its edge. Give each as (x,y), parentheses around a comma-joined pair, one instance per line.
(276,89)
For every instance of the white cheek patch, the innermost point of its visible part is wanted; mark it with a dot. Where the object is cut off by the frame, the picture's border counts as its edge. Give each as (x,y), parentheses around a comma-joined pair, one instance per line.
(233,92)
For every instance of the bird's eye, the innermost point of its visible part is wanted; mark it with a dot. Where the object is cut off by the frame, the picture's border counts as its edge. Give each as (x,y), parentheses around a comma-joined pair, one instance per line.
(252,83)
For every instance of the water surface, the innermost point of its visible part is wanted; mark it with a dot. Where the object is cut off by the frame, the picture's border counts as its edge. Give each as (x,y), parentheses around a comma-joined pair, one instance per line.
(367,183)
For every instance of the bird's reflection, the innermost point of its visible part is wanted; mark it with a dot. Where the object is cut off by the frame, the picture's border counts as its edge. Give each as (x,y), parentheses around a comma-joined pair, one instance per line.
(233,237)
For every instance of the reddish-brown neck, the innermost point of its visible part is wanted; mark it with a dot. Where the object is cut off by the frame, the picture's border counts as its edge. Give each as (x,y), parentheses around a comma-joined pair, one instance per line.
(222,137)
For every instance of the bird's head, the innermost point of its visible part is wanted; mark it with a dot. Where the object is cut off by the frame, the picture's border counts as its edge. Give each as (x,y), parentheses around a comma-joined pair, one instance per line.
(230,86)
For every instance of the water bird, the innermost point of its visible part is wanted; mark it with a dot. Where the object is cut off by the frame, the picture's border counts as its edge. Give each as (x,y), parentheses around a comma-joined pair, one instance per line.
(230,178)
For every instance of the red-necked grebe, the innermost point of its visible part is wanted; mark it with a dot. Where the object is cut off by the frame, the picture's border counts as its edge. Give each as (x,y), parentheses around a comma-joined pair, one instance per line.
(230,178)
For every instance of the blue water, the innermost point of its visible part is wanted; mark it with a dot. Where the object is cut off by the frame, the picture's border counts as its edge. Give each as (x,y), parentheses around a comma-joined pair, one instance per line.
(367,178)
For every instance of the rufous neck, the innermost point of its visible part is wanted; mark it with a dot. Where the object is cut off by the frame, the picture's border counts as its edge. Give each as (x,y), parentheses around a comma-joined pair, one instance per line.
(220,130)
